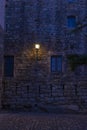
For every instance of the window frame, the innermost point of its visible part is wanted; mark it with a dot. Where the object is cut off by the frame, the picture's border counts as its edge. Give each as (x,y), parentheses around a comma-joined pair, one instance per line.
(8,73)
(71,19)
(56,64)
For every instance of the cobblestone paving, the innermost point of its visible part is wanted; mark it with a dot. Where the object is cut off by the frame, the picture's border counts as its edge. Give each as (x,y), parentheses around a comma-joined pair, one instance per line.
(34,121)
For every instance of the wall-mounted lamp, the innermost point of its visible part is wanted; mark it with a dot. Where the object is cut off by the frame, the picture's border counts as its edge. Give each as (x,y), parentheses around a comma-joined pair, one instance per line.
(37,47)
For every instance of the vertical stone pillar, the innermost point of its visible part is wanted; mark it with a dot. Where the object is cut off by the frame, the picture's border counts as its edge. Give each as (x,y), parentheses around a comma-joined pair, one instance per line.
(1,62)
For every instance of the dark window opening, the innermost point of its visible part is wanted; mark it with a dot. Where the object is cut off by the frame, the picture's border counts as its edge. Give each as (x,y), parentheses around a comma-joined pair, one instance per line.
(8,66)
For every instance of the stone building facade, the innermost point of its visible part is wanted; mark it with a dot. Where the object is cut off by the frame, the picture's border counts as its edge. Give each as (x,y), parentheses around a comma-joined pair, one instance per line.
(44,78)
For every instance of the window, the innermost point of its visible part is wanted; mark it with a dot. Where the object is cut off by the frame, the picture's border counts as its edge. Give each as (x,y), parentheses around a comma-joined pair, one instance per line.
(56,63)
(71,20)
(8,66)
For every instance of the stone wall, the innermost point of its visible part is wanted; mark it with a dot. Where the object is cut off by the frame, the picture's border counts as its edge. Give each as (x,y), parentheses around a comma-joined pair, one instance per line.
(1,63)
(43,22)
(2,13)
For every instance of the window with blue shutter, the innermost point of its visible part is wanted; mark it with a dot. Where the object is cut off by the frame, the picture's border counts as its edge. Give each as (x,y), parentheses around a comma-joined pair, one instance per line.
(56,63)
(71,21)
(8,66)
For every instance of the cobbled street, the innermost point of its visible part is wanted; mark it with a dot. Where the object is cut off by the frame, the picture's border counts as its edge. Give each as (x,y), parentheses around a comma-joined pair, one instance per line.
(35,121)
